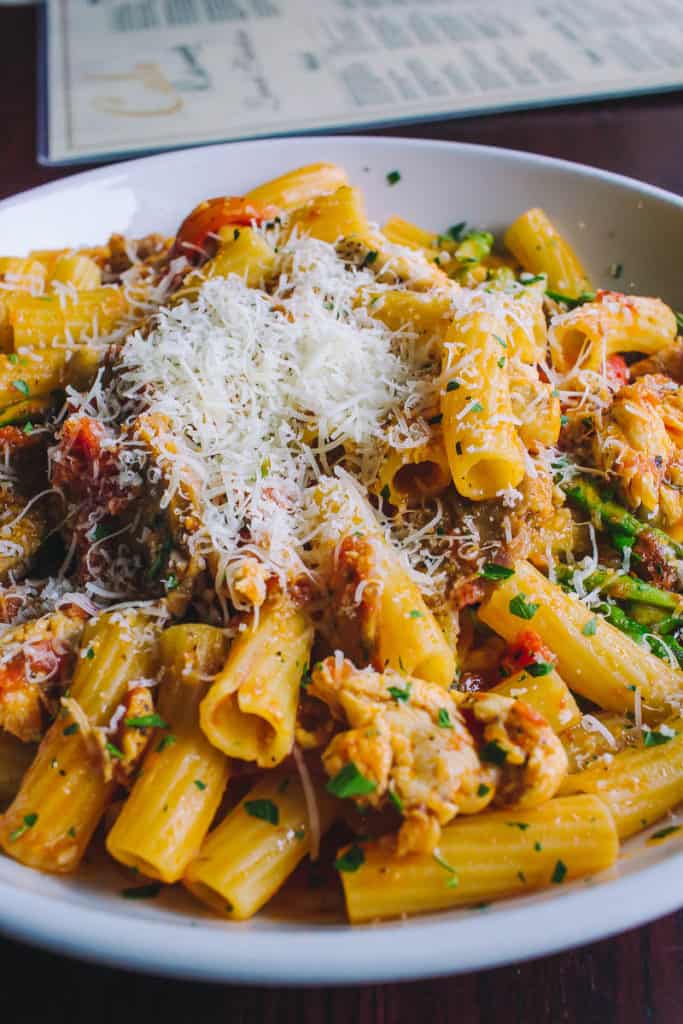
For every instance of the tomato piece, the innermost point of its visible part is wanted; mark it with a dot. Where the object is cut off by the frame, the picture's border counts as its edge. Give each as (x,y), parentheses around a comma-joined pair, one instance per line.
(618,373)
(527,649)
(213,214)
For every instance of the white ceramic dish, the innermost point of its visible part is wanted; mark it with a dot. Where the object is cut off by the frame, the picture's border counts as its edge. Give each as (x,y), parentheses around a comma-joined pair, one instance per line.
(611,220)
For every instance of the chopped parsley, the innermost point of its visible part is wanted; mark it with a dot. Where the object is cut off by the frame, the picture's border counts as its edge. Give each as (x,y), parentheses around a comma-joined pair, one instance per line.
(153,721)
(385,492)
(540,668)
(679,320)
(564,420)
(71,729)
(166,741)
(522,608)
(501,341)
(21,386)
(142,892)
(483,790)
(370,258)
(393,177)
(13,358)
(101,531)
(568,300)
(434,420)
(664,832)
(453,881)
(113,751)
(559,872)
(28,427)
(538,846)
(522,877)
(476,407)
(400,693)
(590,627)
(521,825)
(453,385)
(171,581)
(72,832)
(444,719)
(414,613)
(349,782)
(264,810)
(494,571)
(501,363)
(396,801)
(28,822)
(351,860)
(655,738)
(90,653)
(202,785)
(493,753)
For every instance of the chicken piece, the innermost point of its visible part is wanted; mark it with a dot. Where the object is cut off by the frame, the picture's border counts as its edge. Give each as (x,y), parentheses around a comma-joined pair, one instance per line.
(21,533)
(121,750)
(669,361)
(530,758)
(640,441)
(409,743)
(35,659)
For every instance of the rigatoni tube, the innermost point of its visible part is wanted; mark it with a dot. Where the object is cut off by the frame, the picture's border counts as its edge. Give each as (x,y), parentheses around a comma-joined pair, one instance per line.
(183,777)
(638,785)
(480,435)
(480,858)
(593,658)
(254,850)
(250,709)
(64,794)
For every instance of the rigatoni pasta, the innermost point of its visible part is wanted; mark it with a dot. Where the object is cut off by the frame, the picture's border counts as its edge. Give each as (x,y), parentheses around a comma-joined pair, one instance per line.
(336,552)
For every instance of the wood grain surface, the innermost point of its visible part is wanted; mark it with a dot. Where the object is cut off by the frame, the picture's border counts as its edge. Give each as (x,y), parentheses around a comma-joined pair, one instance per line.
(635,978)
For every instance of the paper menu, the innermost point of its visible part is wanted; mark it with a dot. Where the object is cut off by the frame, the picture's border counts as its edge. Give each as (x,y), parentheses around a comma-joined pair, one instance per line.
(125,76)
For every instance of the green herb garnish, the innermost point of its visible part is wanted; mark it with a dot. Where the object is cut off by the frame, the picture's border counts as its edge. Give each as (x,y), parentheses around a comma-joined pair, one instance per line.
(522,608)
(494,571)
(349,782)
(265,810)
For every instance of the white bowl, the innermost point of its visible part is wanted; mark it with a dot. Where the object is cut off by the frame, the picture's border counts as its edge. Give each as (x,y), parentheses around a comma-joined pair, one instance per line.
(611,220)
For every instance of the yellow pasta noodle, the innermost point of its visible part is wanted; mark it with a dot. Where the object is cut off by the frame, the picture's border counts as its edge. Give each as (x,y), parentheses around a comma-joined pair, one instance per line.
(300,186)
(548,694)
(250,709)
(594,658)
(64,793)
(253,851)
(182,779)
(638,785)
(535,241)
(44,320)
(565,838)
(589,334)
(482,445)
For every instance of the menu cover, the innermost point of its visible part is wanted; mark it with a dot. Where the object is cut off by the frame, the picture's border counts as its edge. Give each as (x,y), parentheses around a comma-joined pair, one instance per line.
(128,76)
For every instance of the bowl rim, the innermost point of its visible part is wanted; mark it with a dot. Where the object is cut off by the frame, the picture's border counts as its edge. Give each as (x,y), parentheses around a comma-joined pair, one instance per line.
(292,953)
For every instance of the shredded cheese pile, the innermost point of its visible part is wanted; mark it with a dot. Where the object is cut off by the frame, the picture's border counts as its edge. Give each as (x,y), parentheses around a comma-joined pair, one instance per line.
(260,389)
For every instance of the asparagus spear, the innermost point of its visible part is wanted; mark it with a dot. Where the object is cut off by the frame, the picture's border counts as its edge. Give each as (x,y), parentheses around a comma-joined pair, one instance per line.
(623,587)
(607,514)
(614,614)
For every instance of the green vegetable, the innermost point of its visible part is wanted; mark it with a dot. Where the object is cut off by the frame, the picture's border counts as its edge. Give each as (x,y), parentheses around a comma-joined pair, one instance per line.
(493,753)
(539,668)
(29,822)
(351,860)
(153,721)
(522,608)
(590,627)
(483,789)
(453,881)
(568,300)
(664,832)
(142,892)
(350,782)
(113,751)
(559,872)
(654,738)
(265,810)
(493,571)
(475,247)
(202,785)
(166,741)
(401,693)
(21,386)
(444,719)
(396,801)
(71,729)
(393,177)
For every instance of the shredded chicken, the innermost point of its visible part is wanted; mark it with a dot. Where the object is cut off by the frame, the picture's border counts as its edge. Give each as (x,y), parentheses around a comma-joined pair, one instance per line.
(36,658)
(640,441)
(435,753)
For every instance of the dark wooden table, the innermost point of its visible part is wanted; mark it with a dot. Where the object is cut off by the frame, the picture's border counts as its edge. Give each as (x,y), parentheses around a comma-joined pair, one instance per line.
(637,977)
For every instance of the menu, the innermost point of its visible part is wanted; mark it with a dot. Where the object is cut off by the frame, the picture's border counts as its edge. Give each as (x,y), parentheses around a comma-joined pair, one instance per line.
(128,76)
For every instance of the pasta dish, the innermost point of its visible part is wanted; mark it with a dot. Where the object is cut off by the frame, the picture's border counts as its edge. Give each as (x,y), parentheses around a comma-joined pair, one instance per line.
(337,562)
